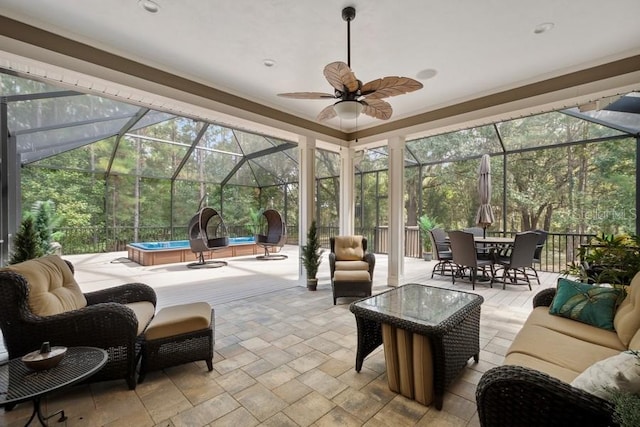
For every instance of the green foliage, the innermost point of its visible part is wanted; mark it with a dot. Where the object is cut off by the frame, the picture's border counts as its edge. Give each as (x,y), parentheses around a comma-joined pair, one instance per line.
(573,188)
(426,224)
(255,221)
(627,405)
(26,244)
(45,221)
(311,252)
(627,409)
(610,258)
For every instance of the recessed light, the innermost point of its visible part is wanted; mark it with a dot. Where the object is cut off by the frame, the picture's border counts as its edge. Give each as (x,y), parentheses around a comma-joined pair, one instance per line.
(543,28)
(427,73)
(149,5)
(268,62)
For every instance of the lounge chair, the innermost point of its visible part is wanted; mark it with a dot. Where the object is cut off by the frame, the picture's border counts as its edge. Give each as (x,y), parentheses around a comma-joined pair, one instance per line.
(207,232)
(275,236)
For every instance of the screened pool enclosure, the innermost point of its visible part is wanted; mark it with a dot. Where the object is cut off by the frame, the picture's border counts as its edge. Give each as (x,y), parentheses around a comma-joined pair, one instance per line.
(118,173)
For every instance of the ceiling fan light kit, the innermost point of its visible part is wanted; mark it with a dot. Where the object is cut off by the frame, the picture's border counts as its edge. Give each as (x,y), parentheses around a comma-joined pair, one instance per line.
(348,110)
(354,97)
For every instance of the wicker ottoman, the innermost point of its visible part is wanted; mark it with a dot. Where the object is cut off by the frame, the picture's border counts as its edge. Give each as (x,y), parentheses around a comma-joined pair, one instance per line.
(351,283)
(177,335)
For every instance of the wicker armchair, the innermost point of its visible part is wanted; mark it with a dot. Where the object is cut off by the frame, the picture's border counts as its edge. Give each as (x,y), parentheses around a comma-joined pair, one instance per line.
(515,396)
(104,322)
(351,267)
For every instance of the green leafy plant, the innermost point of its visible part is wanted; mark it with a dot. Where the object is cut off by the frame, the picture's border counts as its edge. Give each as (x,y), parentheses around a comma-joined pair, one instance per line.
(311,252)
(426,224)
(46,221)
(26,244)
(627,408)
(626,405)
(609,258)
(255,221)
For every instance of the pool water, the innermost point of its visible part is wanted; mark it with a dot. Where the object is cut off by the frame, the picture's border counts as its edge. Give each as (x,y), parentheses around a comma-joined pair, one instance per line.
(184,244)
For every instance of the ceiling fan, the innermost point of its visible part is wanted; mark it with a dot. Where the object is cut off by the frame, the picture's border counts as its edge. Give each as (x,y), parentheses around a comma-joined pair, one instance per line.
(353,96)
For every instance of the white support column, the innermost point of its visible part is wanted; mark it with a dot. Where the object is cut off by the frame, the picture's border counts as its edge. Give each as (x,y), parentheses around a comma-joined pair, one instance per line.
(306,191)
(347,200)
(396,210)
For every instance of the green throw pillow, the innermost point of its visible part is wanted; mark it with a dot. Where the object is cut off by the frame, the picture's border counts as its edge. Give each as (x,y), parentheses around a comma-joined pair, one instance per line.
(595,305)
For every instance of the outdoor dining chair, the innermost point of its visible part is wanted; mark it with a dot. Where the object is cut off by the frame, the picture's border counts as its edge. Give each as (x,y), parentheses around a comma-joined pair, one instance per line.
(442,253)
(542,238)
(465,256)
(483,251)
(516,265)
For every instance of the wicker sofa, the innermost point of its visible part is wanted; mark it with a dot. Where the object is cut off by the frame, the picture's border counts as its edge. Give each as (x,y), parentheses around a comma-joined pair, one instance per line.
(534,385)
(41,301)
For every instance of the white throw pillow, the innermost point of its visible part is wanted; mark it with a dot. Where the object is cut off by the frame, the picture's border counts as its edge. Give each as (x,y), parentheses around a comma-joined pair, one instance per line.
(619,372)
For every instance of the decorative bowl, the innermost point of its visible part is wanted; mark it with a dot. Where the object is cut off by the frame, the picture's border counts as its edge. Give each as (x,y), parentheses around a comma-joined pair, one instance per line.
(38,361)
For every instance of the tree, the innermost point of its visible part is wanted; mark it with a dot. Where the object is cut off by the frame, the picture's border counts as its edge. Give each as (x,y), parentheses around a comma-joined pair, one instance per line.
(45,220)
(26,244)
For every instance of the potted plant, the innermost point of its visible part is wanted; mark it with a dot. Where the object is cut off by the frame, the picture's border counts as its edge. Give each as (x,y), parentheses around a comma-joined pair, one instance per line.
(426,224)
(613,259)
(312,257)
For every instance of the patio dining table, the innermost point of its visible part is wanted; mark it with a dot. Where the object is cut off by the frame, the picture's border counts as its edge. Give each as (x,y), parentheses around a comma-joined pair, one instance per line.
(494,240)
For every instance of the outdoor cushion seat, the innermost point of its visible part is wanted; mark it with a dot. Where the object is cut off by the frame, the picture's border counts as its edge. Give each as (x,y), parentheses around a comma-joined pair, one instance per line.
(351,276)
(352,265)
(351,283)
(144,312)
(178,334)
(178,319)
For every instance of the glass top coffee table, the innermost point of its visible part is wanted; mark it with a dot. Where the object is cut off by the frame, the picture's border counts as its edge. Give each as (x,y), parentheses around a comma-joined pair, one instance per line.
(429,334)
(20,384)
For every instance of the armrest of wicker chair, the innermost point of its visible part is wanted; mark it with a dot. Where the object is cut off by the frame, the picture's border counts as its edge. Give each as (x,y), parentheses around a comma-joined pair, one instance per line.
(101,325)
(370,258)
(513,396)
(332,263)
(544,297)
(123,294)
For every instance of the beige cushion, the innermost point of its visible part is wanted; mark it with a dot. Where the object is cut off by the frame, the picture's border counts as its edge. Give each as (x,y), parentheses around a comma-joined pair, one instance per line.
(179,319)
(620,372)
(352,265)
(351,276)
(348,248)
(559,349)
(627,318)
(540,316)
(144,311)
(52,287)
(562,373)
(634,344)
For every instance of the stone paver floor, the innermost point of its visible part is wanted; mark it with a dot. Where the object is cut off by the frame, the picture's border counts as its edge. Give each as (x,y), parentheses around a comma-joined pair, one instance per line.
(284,357)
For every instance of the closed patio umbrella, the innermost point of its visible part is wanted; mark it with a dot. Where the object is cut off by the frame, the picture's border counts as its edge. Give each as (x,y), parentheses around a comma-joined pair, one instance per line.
(484,217)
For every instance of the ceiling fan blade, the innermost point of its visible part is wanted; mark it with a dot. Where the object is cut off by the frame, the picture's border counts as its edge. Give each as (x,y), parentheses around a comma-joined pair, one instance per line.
(326,114)
(307,95)
(389,86)
(377,109)
(340,76)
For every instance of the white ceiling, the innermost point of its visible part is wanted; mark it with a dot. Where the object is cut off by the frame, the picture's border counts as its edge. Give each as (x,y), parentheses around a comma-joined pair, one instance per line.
(477,47)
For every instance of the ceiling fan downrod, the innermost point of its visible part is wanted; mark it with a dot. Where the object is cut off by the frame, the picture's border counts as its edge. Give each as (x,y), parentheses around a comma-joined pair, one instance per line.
(348,14)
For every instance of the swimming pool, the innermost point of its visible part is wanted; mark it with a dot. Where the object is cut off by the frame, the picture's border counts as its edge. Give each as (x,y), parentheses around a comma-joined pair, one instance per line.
(169,252)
